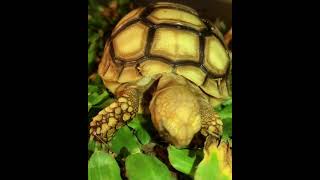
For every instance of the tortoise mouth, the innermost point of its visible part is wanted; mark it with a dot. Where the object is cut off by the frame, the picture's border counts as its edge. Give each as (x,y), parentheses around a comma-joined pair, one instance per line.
(174,141)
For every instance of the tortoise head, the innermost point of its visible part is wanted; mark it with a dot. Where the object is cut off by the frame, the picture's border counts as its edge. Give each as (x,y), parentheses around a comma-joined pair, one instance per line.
(174,110)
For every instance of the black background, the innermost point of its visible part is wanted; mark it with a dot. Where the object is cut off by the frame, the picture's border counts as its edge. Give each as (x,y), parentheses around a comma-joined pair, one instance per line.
(44,98)
(207,9)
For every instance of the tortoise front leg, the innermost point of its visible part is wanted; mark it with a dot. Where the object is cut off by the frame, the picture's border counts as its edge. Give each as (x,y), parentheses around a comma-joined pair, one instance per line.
(121,111)
(117,114)
(211,124)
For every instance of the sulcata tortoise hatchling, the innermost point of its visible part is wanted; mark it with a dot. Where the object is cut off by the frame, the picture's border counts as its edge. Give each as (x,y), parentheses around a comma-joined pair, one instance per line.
(165,51)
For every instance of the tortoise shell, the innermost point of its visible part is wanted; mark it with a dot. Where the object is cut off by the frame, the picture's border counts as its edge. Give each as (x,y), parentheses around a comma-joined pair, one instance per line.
(166,38)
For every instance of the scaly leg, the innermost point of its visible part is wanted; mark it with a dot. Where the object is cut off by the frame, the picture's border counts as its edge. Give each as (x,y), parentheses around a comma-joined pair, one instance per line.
(211,124)
(117,114)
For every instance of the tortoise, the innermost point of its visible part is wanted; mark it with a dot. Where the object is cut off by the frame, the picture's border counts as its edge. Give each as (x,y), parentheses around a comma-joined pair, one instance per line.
(164,60)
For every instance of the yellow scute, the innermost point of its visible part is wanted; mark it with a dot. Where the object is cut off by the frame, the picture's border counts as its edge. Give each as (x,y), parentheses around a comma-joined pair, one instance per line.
(134,14)
(186,8)
(112,86)
(174,16)
(176,44)
(112,72)
(216,58)
(152,67)
(192,73)
(130,43)
(129,73)
(210,86)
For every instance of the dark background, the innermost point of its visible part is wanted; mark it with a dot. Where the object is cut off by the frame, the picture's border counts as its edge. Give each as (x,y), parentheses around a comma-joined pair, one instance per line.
(209,9)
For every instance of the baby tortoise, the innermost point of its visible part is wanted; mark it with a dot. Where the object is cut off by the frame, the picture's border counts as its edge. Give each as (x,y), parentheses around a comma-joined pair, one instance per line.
(180,60)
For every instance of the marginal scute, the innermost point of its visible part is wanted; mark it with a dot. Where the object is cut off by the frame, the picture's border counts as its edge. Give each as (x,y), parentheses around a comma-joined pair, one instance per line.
(216,59)
(134,14)
(105,61)
(152,67)
(112,72)
(171,80)
(192,73)
(130,43)
(112,86)
(175,16)
(210,86)
(129,73)
(224,88)
(176,44)
(174,5)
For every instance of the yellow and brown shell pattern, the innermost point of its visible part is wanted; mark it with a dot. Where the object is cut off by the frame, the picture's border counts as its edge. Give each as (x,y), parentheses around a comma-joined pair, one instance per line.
(166,37)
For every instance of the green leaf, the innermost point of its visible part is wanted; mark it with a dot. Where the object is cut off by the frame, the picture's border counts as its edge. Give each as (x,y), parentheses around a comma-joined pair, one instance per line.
(92,89)
(212,166)
(92,51)
(96,96)
(89,106)
(91,145)
(103,166)
(182,160)
(104,104)
(94,145)
(97,82)
(140,166)
(227,128)
(124,138)
(227,102)
(140,125)
(225,112)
